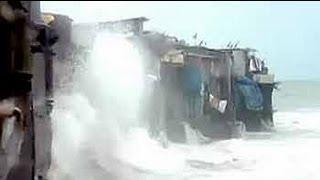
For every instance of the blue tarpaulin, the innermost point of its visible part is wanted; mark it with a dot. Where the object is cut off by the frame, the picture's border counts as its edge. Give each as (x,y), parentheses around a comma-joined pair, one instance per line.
(250,93)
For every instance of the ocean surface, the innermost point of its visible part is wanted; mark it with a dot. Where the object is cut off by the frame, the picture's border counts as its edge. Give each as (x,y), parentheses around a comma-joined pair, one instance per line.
(289,153)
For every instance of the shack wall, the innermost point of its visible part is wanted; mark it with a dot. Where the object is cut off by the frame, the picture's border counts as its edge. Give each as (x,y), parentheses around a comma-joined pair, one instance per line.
(239,63)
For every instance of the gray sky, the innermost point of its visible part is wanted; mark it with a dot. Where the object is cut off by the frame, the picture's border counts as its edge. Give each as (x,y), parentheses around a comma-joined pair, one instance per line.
(287,34)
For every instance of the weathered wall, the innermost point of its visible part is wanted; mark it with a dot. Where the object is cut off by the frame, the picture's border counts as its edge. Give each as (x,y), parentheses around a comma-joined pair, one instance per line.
(239,63)
(61,69)
(16,161)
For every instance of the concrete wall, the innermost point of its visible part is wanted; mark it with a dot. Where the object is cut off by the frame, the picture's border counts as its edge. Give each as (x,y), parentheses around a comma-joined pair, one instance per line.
(42,125)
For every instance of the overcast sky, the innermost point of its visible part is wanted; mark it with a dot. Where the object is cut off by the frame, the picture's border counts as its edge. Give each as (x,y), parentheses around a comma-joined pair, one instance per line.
(287,34)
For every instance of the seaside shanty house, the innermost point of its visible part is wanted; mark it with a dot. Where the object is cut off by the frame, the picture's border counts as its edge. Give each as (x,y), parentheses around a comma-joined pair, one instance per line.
(192,86)
(252,87)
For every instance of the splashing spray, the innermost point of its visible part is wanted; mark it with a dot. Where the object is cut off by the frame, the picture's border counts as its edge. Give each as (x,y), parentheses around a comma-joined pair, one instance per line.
(97,131)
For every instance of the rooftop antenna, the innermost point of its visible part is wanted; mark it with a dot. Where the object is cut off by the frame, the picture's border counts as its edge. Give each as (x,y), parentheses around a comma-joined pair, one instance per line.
(195,36)
(201,42)
(235,46)
(232,45)
(229,44)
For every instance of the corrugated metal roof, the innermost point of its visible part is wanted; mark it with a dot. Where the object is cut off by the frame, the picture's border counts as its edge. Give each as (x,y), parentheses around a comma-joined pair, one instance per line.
(200,51)
(141,19)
